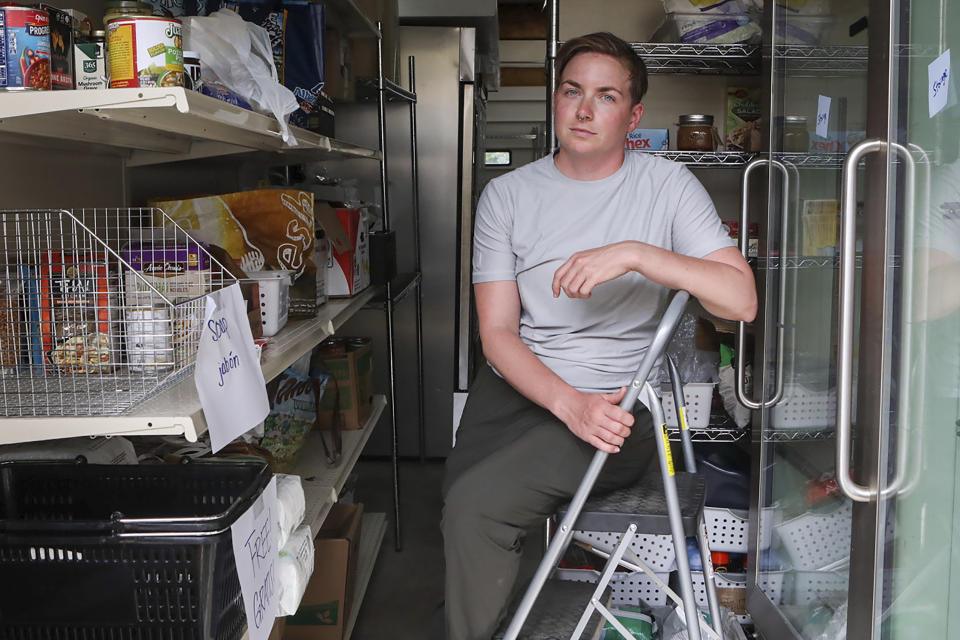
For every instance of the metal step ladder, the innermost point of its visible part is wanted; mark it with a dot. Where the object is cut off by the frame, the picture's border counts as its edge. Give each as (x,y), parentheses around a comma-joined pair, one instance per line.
(658,504)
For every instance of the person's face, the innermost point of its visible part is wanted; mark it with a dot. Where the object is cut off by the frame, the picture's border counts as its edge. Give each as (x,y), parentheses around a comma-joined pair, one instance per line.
(592,106)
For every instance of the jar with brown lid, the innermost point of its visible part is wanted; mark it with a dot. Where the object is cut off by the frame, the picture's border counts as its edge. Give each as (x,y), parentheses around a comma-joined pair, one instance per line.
(114,9)
(695,132)
(796,137)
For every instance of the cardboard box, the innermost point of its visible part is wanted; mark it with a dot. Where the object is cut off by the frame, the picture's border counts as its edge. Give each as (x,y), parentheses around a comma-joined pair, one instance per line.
(326,602)
(648,140)
(348,267)
(260,229)
(351,373)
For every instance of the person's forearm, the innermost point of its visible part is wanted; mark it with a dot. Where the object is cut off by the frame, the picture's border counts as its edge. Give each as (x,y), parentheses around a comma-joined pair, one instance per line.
(723,290)
(525,372)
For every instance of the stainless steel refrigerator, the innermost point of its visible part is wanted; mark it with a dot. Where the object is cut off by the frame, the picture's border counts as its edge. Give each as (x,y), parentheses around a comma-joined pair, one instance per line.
(449,133)
(856,498)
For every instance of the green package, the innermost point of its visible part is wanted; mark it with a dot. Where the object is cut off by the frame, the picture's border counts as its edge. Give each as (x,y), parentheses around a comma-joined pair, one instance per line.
(639,624)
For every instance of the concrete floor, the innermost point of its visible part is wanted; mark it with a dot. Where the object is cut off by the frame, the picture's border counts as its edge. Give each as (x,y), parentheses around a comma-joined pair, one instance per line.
(407,586)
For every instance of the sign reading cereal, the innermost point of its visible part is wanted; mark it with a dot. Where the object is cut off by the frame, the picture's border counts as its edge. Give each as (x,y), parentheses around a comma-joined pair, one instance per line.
(24,48)
(145,51)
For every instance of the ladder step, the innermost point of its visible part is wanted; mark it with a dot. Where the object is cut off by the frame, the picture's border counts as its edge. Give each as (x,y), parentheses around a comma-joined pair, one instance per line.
(557,612)
(643,503)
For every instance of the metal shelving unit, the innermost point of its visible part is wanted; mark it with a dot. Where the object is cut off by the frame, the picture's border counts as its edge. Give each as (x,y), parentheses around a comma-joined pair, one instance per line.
(704,59)
(158,125)
(713,159)
(721,429)
(372,531)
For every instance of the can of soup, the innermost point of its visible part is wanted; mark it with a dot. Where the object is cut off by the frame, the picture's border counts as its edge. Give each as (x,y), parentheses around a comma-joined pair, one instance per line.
(145,51)
(24,48)
(149,339)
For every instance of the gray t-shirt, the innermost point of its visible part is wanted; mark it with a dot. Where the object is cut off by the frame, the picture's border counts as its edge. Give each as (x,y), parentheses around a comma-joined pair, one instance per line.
(531,220)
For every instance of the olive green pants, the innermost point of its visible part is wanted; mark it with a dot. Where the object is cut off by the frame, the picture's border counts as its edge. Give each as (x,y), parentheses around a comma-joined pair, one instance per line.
(514,463)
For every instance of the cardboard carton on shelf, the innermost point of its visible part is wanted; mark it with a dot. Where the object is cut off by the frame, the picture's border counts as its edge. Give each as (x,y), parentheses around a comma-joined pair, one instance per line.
(350,389)
(348,267)
(327,601)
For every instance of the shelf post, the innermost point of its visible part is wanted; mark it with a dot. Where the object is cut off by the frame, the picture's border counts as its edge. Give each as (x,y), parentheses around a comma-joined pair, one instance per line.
(415,174)
(553,34)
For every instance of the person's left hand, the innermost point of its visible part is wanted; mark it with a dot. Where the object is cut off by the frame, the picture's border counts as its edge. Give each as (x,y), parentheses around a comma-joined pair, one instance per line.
(586,269)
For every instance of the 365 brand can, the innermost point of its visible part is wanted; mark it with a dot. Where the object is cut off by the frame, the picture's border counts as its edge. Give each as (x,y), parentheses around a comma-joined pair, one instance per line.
(24,48)
(145,51)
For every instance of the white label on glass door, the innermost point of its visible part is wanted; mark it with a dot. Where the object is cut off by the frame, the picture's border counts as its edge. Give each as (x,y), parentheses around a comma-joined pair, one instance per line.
(823,116)
(255,550)
(228,377)
(938,74)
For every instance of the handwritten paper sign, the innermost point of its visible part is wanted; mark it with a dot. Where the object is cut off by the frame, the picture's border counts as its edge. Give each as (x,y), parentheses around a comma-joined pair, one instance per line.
(823,116)
(256,553)
(938,75)
(228,377)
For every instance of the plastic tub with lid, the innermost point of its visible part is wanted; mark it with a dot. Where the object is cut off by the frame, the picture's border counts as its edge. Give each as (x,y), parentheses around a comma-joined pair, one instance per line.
(274,298)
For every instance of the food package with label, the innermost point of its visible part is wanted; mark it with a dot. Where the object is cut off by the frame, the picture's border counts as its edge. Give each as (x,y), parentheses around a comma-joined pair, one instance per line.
(12,338)
(743,119)
(77,313)
(294,400)
(348,267)
(261,229)
(712,22)
(648,140)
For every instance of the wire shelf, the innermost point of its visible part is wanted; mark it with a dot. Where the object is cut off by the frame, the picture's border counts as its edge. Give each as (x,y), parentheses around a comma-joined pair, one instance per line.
(708,59)
(800,60)
(731,159)
(99,308)
(797,435)
(813,160)
(817,262)
(721,429)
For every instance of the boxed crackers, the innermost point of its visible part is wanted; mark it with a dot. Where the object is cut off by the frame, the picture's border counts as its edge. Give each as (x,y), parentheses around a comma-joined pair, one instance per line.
(261,229)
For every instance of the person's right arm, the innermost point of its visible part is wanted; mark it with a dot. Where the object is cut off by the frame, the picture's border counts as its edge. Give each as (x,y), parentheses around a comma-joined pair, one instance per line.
(593,417)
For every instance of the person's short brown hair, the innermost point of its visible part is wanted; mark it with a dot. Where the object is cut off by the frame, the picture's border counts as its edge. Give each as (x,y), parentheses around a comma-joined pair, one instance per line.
(609,45)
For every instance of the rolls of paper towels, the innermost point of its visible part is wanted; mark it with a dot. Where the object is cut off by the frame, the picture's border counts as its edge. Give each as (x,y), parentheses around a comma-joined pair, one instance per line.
(295,569)
(291,505)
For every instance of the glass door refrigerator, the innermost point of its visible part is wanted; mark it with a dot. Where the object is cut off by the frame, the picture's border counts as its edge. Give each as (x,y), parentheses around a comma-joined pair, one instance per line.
(856,351)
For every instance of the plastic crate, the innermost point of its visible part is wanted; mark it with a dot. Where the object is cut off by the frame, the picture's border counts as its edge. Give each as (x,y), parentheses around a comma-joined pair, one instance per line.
(817,540)
(732,591)
(804,409)
(698,397)
(627,589)
(729,529)
(655,551)
(817,587)
(122,551)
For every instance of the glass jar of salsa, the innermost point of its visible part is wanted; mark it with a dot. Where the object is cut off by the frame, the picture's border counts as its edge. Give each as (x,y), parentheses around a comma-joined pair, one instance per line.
(695,132)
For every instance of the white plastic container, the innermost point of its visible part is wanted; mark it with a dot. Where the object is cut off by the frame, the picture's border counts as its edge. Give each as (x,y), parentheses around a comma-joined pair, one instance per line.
(274,298)
(698,397)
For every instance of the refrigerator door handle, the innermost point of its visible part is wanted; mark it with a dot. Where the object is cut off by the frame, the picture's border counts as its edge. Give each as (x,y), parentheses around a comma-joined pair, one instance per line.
(899,484)
(782,277)
(848,263)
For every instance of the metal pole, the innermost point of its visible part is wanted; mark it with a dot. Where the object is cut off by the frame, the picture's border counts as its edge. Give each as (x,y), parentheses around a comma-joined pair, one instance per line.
(553,35)
(415,171)
(680,404)
(673,511)
(388,302)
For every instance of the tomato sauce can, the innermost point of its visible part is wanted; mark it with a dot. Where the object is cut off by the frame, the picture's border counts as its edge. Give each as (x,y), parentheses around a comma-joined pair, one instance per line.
(145,51)
(24,48)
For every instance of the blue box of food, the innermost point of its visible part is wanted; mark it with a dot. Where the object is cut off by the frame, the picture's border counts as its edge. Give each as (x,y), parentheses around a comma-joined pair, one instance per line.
(648,140)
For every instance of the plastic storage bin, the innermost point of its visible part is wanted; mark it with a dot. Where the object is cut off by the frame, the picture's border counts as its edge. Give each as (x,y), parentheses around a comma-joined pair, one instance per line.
(817,540)
(122,551)
(732,591)
(698,397)
(728,529)
(274,298)
(655,551)
(627,589)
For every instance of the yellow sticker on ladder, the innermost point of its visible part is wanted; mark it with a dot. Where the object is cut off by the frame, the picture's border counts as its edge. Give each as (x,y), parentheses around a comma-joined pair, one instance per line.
(683,418)
(666,448)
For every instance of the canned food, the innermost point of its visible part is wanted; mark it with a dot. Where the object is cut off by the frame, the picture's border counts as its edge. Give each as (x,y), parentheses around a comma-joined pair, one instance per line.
(24,48)
(145,51)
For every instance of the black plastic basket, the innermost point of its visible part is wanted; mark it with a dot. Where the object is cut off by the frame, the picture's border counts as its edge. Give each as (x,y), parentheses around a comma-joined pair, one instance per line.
(122,552)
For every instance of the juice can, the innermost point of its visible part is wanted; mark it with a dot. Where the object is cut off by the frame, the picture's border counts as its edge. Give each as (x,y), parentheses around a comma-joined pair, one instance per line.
(145,51)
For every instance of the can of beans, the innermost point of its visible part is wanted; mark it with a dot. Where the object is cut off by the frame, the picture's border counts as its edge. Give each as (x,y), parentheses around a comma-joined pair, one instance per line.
(145,51)
(24,48)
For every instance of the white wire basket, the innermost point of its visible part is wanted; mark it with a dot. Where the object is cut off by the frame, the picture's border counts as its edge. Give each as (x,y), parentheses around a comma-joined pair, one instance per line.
(815,540)
(698,397)
(99,308)
(627,589)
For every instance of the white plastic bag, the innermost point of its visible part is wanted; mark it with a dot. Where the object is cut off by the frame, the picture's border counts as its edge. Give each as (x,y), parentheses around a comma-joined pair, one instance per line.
(237,54)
